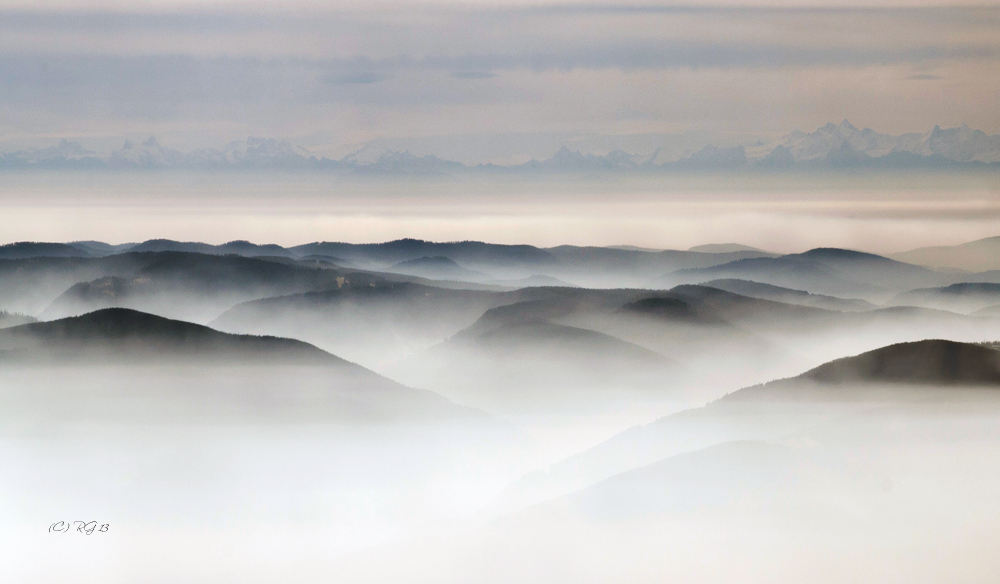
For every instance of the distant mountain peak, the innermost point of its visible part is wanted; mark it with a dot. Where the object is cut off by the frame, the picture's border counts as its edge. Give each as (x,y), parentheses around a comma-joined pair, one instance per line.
(837,145)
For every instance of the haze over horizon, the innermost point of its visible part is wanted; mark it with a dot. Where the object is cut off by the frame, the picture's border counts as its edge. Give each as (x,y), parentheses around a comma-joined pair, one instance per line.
(499,291)
(678,123)
(883,213)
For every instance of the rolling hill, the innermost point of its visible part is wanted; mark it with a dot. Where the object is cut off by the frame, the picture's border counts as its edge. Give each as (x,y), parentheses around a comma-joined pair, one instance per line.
(826,271)
(788,296)
(436,268)
(128,336)
(897,374)
(964,297)
(185,285)
(116,361)
(975,256)
(930,362)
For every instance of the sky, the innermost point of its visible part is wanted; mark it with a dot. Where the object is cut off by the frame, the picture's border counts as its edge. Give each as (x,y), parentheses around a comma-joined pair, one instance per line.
(200,74)
(882,214)
(333,76)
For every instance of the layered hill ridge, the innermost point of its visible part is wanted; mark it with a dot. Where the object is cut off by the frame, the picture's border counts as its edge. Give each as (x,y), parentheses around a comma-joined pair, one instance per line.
(436,267)
(822,271)
(929,362)
(899,374)
(127,336)
(788,295)
(174,370)
(826,271)
(976,256)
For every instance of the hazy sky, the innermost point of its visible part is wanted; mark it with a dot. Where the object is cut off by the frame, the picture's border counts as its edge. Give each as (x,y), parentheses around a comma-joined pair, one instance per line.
(332,75)
(883,214)
(198,74)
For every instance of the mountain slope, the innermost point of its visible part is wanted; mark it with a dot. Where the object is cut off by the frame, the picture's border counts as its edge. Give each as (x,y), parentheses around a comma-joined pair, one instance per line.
(9,319)
(128,335)
(825,271)
(501,260)
(191,286)
(30,249)
(901,373)
(122,364)
(371,324)
(976,256)
(965,297)
(788,296)
(436,268)
(931,362)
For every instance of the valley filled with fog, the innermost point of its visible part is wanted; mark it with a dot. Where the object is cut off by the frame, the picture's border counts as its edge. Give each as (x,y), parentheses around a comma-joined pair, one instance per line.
(499,292)
(472,412)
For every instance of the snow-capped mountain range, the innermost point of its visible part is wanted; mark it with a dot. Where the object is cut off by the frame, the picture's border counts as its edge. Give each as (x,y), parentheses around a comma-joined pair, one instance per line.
(831,146)
(961,144)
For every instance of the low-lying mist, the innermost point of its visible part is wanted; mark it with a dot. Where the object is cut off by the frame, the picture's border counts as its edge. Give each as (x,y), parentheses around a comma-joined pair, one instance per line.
(827,416)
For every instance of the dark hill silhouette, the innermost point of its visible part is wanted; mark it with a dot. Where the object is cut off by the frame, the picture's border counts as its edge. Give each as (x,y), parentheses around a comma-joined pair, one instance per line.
(171,245)
(469,253)
(972,287)
(841,254)
(30,285)
(30,249)
(588,266)
(672,308)
(901,373)
(429,261)
(828,271)
(99,248)
(788,295)
(533,281)
(183,371)
(963,297)
(240,247)
(190,286)
(726,248)
(730,306)
(124,336)
(436,267)
(936,362)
